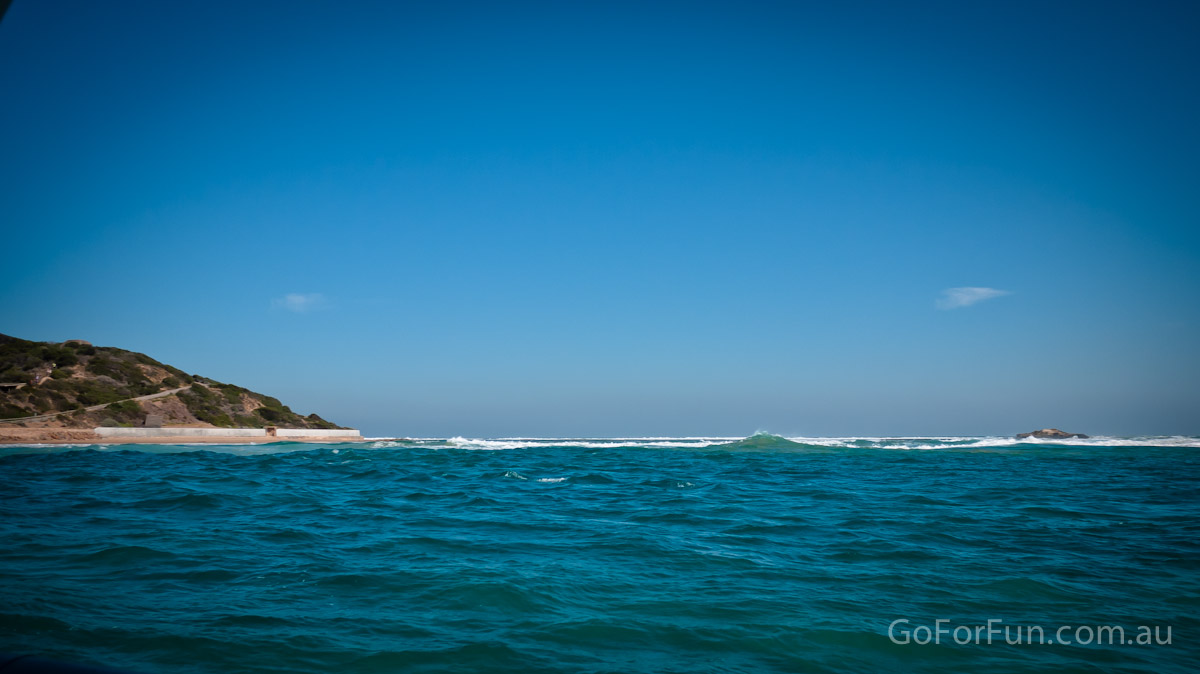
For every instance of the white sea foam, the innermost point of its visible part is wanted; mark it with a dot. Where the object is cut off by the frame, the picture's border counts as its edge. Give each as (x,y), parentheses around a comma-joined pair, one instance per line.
(969,442)
(663,442)
(683,442)
(479,444)
(859,442)
(893,442)
(582,443)
(551,479)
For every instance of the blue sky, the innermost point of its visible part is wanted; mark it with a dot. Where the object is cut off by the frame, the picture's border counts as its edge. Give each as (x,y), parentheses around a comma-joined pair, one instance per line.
(620,218)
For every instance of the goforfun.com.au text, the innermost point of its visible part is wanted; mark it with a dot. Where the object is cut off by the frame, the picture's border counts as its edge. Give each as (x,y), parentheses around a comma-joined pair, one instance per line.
(902,631)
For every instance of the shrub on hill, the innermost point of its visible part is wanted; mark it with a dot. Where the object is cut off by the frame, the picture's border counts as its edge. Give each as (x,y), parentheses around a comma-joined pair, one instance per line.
(125,412)
(88,392)
(14,374)
(315,421)
(206,406)
(124,371)
(233,394)
(19,353)
(269,415)
(60,356)
(9,411)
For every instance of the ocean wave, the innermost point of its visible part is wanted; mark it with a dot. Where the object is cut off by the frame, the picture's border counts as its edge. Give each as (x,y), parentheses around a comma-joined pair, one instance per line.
(761,441)
(780,554)
(769,441)
(580,443)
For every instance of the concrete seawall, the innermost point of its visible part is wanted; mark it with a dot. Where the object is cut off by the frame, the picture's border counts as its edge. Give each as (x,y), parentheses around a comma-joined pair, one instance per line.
(316,433)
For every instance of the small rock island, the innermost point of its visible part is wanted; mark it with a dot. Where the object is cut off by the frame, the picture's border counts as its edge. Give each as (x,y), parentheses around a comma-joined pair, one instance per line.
(1050,434)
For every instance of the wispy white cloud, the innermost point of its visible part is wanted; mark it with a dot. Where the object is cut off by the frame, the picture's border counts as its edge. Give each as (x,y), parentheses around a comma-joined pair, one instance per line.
(300,302)
(957,298)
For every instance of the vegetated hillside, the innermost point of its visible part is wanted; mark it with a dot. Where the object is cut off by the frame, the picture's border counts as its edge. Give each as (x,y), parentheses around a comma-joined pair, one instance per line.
(65,379)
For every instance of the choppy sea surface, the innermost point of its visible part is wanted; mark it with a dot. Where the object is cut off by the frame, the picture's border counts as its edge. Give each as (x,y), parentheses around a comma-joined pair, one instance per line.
(763,554)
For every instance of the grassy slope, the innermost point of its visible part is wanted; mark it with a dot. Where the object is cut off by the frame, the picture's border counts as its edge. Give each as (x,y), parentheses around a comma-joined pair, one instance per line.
(77,376)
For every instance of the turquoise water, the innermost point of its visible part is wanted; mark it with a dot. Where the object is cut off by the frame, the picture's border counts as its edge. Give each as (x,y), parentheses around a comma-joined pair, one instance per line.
(684,555)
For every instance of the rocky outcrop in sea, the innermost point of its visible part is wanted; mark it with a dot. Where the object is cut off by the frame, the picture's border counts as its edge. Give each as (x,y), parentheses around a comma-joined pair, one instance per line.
(1050,434)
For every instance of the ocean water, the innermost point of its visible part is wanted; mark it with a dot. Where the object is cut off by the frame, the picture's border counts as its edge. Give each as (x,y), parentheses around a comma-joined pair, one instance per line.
(643,555)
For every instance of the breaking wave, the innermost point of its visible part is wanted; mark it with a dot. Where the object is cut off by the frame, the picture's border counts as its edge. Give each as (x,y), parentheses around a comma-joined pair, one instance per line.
(763,441)
(758,442)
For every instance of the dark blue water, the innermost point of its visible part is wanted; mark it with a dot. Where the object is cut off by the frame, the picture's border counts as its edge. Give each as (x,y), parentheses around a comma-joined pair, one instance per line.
(638,556)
